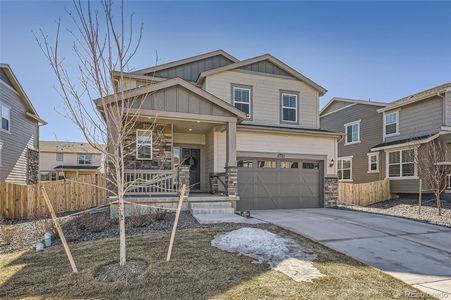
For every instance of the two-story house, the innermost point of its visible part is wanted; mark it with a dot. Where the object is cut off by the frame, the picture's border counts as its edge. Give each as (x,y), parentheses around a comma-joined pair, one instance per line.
(19,132)
(361,123)
(408,123)
(251,125)
(58,160)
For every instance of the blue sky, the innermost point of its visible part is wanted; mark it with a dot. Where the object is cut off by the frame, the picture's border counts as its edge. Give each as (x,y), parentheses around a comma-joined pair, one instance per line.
(379,50)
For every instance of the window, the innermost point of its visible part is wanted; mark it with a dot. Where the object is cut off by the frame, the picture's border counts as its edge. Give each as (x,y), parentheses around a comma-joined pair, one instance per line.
(245,164)
(47,175)
(401,163)
(6,117)
(84,159)
(345,168)
(391,124)
(310,165)
(267,164)
(373,162)
(242,99)
(289,164)
(352,133)
(144,144)
(176,157)
(289,107)
(59,157)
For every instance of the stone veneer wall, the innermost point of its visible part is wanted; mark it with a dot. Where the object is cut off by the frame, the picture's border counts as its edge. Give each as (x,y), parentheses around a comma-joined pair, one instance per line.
(161,148)
(32,166)
(330,191)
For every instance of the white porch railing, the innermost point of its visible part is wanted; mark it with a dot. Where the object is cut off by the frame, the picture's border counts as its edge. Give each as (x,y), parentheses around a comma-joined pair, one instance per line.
(152,182)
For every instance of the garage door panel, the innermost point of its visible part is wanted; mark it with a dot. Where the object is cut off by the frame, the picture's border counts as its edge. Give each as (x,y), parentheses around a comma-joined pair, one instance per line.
(264,188)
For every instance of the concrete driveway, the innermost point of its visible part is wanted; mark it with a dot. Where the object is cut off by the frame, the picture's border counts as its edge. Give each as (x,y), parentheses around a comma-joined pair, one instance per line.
(416,253)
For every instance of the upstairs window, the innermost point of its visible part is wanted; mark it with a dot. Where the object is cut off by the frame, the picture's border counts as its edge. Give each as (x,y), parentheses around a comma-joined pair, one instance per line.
(144,144)
(6,117)
(289,107)
(242,99)
(352,133)
(391,124)
(59,157)
(85,159)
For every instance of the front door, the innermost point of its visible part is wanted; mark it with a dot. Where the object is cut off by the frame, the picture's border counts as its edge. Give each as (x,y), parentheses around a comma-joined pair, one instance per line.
(191,157)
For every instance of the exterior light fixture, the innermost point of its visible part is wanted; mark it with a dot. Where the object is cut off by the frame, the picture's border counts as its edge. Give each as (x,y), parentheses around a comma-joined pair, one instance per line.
(332,163)
(190,129)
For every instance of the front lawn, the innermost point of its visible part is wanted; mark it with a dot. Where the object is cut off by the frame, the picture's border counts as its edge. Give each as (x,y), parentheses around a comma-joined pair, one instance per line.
(197,271)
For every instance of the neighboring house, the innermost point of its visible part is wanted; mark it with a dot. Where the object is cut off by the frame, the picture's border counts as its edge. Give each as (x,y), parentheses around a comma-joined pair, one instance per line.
(408,123)
(361,123)
(58,160)
(19,132)
(251,125)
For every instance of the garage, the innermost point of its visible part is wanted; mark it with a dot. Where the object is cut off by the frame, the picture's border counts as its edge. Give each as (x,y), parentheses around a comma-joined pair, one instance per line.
(279,184)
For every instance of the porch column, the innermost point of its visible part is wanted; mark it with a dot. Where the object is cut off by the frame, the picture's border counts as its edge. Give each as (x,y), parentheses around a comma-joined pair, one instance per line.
(231,167)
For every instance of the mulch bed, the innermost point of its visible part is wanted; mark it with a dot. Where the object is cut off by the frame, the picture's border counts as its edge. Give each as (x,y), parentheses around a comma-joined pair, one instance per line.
(114,272)
(408,208)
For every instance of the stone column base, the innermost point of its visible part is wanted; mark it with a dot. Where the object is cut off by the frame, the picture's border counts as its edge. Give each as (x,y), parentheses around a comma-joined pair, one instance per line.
(232,181)
(330,191)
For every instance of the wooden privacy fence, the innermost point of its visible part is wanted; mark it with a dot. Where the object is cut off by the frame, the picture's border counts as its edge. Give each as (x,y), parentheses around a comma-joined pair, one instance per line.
(363,194)
(26,201)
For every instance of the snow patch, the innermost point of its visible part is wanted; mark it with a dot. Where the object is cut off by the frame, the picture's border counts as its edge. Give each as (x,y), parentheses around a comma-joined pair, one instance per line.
(282,254)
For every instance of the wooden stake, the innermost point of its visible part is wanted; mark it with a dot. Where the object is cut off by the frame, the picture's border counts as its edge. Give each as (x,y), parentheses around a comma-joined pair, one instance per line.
(419,196)
(58,228)
(177,214)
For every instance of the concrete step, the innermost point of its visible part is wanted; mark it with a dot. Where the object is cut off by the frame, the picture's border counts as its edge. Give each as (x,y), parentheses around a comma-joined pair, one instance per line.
(211,198)
(220,204)
(224,218)
(213,211)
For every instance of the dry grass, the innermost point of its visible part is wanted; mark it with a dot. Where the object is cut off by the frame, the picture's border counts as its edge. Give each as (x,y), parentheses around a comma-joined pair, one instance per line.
(196,271)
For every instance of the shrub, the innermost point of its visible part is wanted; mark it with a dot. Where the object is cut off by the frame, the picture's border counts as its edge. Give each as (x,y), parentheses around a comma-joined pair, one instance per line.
(140,217)
(160,214)
(7,235)
(94,222)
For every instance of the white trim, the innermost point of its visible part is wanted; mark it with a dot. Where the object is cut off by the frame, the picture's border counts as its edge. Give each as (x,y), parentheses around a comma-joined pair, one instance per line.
(358,132)
(249,115)
(385,135)
(400,177)
(337,110)
(407,144)
(354,101)
(2,104)
(289,107)
(375,154)
(9,87)
(151,144)
(350,168)
(84,154)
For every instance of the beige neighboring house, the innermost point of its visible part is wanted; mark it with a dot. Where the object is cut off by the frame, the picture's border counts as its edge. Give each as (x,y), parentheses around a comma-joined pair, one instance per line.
(243,131)
(58,160)
(19,132)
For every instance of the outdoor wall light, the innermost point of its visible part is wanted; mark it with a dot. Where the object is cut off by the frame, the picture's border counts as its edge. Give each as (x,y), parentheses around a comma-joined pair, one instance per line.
(332,163)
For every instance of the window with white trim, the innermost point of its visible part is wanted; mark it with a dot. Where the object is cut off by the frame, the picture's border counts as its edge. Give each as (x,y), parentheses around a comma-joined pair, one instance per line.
(85,159)
(144,144)
(401,163)
(242,99)
(59,157)
(345,168)
(391,123)
(289,107)
(5,112)
(352,133)
(373,162)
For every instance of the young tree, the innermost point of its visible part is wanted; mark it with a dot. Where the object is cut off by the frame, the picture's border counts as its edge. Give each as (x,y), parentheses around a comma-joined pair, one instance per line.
(433,168)
(102,46)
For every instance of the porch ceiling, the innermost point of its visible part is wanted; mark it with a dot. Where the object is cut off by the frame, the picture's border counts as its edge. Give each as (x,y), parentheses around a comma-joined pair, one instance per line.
(189,126)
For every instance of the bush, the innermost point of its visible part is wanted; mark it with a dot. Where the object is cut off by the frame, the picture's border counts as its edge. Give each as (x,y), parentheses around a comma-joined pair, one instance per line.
(7,235)
(94,222)
(140,217)
(160,214)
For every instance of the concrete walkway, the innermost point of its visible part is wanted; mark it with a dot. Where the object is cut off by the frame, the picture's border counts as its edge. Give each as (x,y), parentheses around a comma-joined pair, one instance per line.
(414,252)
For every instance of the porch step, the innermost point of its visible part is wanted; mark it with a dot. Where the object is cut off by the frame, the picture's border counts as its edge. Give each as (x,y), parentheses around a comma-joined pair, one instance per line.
(219,204)
(224,218)
(213,211)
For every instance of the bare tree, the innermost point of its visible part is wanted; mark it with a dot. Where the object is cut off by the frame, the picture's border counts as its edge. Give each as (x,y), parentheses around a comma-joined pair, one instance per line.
(433,168)
(102,46)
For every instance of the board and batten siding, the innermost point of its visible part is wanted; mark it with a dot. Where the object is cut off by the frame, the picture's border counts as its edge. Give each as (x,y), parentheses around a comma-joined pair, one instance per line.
(370,135)
(24,134)
(266,90)
(190,71)
(277,143)
(419,119)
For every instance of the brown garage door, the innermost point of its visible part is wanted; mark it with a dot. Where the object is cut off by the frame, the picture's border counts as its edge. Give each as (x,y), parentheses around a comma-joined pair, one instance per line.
(272,184)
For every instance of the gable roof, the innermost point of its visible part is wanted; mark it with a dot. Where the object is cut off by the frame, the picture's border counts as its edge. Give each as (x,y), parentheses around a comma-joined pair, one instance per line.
(264,57)
(186,61)
(32,113)
(149,88)
(351,102)
(423,95)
